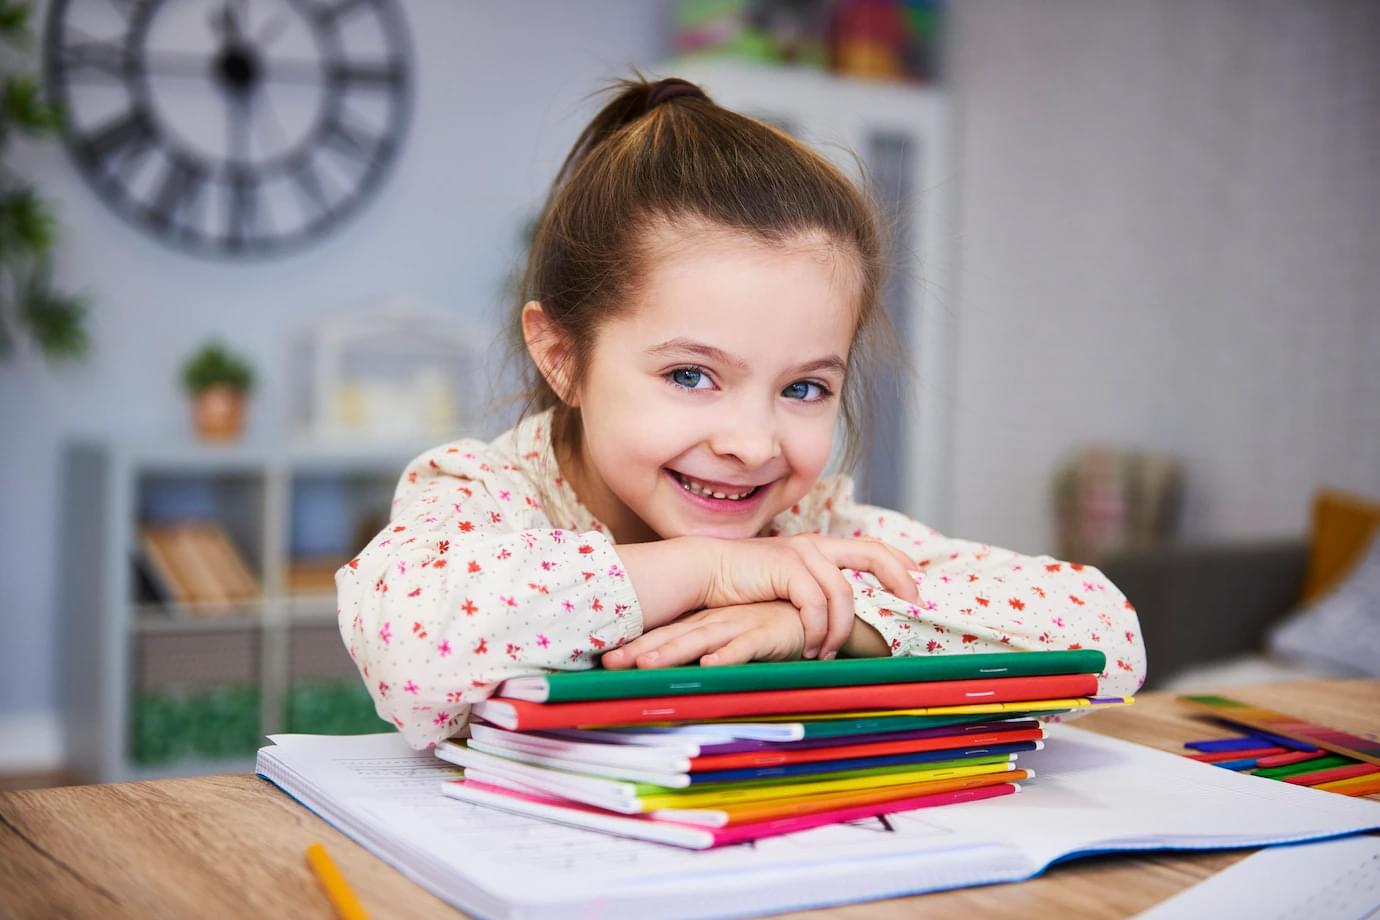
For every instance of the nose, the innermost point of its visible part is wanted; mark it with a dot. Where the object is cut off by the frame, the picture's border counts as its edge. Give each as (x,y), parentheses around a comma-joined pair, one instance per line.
(747,434)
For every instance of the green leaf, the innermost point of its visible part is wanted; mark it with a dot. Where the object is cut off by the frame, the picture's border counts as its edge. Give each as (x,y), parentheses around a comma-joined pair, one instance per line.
(214,365)
(22,104)
(56,321)
(14,21)
(26,223)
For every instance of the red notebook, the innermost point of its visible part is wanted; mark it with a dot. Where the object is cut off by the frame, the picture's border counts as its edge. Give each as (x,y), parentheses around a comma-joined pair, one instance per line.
(521,715)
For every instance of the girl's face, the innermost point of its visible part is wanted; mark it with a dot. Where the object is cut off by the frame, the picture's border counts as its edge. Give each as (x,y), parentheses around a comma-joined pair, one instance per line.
(708,407)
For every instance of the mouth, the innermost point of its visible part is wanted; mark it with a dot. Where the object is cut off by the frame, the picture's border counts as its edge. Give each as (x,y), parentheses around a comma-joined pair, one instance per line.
(718,496)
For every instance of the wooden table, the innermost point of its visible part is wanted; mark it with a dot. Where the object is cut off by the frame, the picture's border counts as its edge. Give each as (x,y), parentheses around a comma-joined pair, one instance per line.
(232,846)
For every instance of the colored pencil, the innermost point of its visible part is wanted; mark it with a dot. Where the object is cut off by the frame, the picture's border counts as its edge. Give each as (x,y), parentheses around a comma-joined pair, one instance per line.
(1318,777)
(342,898)
(1357,785)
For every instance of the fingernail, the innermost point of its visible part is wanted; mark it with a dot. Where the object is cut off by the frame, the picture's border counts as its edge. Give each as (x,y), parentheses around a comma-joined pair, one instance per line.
(651,656)
(708,659)
(827,656)
(811,653)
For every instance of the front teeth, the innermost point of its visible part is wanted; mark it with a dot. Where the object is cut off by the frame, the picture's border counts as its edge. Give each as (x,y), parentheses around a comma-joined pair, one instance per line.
(695,488)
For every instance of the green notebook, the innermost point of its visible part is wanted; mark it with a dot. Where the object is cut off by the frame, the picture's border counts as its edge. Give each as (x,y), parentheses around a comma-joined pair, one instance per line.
(600,684)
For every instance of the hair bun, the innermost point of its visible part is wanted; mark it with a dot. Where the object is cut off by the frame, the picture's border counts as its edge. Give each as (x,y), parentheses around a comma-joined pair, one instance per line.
(670,88)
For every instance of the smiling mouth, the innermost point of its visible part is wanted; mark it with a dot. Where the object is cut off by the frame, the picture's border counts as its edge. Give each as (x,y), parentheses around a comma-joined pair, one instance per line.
(710,490)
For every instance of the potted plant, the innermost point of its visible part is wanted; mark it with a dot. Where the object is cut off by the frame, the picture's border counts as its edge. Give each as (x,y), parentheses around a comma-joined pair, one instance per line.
(218,382)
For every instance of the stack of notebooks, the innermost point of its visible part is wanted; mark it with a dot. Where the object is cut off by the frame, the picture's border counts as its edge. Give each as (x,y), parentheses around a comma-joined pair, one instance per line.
(704,757)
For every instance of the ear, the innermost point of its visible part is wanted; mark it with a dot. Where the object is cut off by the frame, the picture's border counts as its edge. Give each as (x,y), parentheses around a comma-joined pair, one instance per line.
(549,349)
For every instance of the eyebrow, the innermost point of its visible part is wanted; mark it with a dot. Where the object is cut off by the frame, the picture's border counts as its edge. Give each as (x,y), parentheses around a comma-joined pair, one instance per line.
(682,346)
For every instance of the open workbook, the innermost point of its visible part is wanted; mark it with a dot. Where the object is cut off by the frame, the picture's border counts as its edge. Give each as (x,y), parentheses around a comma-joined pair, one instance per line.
(1093,794)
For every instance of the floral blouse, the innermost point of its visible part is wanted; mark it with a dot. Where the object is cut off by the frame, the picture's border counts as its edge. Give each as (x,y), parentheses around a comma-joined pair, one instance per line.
(491,568)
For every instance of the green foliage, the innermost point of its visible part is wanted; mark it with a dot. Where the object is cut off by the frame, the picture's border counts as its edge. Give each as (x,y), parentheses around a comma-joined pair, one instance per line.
(29,304)
(214,365)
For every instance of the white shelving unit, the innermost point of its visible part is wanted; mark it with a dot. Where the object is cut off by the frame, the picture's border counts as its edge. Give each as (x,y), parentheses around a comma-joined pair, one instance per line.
(900,134)
(112,639)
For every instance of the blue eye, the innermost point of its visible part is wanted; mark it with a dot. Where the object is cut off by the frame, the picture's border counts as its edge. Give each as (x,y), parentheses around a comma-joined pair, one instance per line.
(801,390)
(689,377)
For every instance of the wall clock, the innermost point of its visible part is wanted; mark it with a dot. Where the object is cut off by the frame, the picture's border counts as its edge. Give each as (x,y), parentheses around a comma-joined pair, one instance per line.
(230,127)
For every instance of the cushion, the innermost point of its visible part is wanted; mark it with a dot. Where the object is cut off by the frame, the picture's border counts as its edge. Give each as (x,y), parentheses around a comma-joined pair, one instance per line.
(1340,632)
(1343,526)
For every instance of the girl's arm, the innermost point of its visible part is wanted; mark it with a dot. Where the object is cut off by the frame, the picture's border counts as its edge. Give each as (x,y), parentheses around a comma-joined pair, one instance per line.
(468,585)
(975,597)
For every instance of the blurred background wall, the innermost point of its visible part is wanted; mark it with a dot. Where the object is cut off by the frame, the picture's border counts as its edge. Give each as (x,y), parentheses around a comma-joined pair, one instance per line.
(1163,236)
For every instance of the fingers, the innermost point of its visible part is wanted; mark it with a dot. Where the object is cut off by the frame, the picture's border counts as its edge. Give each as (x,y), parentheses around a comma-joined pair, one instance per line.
(839,595)
(649,642)
(805,592)
(890,565)
(740,650)
(691,644)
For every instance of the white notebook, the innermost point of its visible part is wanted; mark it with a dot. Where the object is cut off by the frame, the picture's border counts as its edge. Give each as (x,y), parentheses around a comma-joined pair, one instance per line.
(1094,794)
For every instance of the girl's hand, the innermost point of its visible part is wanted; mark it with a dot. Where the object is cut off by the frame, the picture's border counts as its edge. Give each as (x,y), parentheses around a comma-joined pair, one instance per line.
(804,570)
(725,635)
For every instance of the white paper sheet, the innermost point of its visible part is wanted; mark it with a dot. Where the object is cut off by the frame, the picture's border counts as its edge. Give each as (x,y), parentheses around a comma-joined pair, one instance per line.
(1336,879)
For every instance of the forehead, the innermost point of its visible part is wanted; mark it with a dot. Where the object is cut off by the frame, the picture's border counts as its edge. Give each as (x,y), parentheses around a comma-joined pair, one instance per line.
(794,300)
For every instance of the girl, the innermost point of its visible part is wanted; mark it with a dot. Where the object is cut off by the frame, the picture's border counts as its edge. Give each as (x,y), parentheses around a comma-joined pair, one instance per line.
(701,299)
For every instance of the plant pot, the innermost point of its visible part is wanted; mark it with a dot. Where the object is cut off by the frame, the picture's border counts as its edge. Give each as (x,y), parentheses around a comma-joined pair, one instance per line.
(219,413)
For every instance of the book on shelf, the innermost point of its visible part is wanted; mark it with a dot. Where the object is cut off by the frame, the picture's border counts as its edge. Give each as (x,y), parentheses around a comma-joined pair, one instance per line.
(196,566)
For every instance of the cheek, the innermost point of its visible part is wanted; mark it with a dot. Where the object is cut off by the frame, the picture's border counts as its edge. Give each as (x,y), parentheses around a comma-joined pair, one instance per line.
(809,448)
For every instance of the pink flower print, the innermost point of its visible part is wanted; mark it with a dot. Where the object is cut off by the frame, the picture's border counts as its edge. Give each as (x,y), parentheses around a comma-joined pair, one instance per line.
(1057,621)
(469,607)
(615,571)
(504,495)
(381,585)
(619,610)
(547,565)
(912,610)
(542,640)
(895,644)
(418,630)
(503,554)
(508,600)
(1017,567)
(1045,638)
(538,587)
(568,606)
(1130,636)
(495,517)
(944,578)
(1089,587)
(430,519)
(1075,599)
(933,645)
(596,605)
(1005,640)
(415,592)
(1075,646)
(386,633)
(411,688)
(402,567)
(443,547)
(443,647)
(529,539)
(968,638)
(453,696)
(577,654)
(596,641)
(441,718)
(384,688)
(558,536)
(858,532)
(482,647)
(1038,591)
(513,650)
(931,605)
(966,611)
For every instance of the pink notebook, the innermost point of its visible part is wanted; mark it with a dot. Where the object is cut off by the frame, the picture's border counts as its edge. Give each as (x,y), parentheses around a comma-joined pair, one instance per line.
(695,837)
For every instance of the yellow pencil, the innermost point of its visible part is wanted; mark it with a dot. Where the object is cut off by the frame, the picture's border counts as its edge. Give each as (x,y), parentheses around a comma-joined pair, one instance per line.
(1369,784)
(347,906)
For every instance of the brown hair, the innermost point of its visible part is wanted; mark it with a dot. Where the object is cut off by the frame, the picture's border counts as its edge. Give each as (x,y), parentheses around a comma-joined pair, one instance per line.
(664,153)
